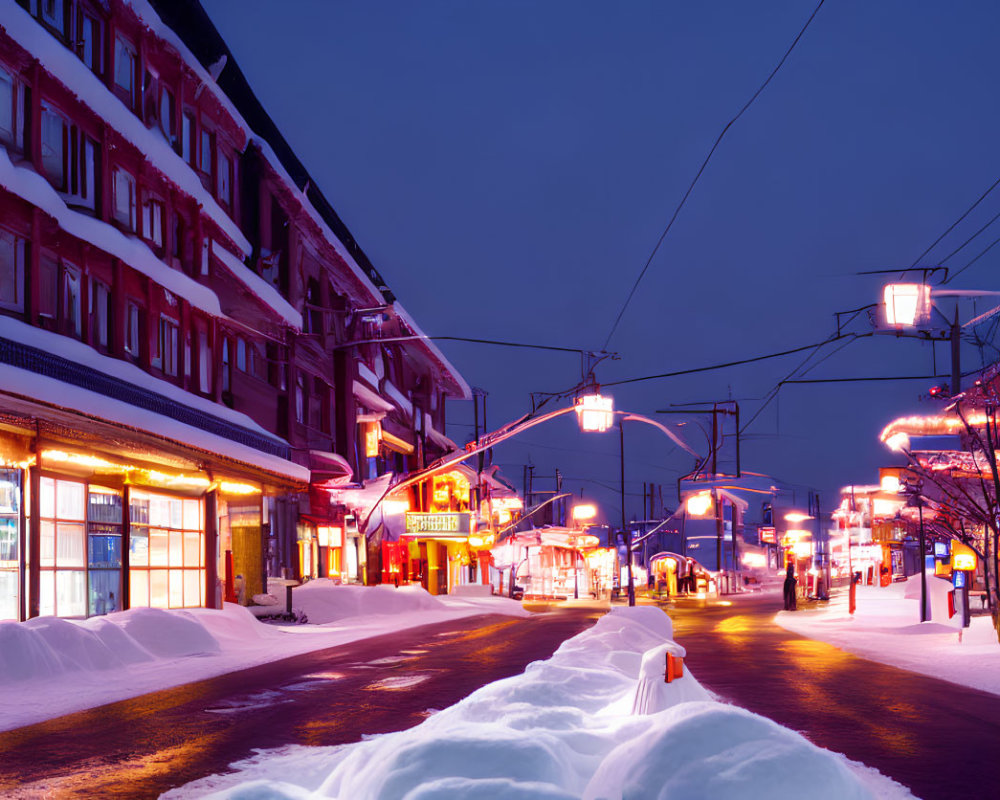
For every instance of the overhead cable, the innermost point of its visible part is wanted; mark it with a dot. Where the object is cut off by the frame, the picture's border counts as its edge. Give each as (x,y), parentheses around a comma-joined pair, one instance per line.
(701,169)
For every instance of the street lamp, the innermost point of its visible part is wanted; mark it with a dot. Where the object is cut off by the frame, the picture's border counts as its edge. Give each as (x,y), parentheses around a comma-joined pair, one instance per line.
(911,306)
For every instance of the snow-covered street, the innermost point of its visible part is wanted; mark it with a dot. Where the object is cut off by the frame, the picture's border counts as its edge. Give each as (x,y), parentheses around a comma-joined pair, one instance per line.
(595,721)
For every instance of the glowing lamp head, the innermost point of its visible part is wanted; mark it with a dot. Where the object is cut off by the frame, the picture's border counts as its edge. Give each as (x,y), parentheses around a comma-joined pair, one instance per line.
(584,512)
(796,516)
(698,504)
(890,483)
(595,413)
(899,441)
(906,304)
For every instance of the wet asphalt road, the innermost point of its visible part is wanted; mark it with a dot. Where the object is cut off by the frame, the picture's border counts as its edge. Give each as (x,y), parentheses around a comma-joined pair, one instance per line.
(141,747)
(939,739)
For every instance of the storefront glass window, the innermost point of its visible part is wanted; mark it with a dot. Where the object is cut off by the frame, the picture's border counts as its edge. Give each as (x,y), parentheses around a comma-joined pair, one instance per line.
(10,527)
(166,551)
(104,550)
(63,566)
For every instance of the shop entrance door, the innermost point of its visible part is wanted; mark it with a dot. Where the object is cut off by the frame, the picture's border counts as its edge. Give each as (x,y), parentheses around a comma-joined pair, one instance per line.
(442,571)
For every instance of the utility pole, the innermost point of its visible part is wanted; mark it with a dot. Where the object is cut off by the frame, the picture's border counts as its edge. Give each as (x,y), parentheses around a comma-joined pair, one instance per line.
(625,531)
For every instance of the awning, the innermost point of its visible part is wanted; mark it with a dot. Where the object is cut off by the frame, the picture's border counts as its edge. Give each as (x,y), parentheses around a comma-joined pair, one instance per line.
(329,469)
(397,444)
(371,399)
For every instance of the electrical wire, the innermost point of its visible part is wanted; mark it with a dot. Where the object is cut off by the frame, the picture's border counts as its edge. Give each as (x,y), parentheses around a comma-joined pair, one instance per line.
(701,169)
(726,364)
(952,227)
(962,246)
(989,247)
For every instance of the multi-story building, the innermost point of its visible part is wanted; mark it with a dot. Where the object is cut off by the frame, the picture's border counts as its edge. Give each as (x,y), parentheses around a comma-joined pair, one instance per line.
(192,345)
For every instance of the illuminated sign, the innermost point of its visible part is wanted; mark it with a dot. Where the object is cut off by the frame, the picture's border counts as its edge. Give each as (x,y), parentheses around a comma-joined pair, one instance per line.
(768,535)
(439,524)
(963,561)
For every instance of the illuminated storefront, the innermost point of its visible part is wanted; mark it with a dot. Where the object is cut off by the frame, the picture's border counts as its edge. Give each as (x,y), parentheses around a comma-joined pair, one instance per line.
(89,533)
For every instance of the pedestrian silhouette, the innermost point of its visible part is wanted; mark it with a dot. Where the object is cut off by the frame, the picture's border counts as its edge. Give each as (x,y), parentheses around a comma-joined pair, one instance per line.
(790,582)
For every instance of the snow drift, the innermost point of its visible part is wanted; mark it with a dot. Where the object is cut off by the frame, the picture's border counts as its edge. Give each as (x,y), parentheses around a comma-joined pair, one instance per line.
(565,728)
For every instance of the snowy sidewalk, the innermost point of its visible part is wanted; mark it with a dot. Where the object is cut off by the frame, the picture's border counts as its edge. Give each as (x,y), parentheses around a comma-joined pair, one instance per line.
(886,628)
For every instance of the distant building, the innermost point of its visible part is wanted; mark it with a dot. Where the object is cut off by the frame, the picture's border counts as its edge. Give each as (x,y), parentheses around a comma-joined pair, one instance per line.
(193,348)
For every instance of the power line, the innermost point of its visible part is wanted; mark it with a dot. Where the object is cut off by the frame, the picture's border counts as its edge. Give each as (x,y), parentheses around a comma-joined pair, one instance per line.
(871,378)
(701,169)
(728,363)
(952,227)
(983,253)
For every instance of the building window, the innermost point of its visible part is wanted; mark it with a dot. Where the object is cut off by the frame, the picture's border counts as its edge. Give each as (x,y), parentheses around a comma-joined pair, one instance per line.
(166,551)
(124,194)
(227,366)
(72,318)
(104,550)
(224,189)
(82,188)
(152,222)
(207,148)
(204,363)
(63,548)
(90,41)
(300,398)
(54,145)
(48,286)
(132,318)
(12,255)
(169,342)
(167,119)
(11,111)
(241,354)
(188,149)
(10,543)
(125,64)
(53,13)
(100,313)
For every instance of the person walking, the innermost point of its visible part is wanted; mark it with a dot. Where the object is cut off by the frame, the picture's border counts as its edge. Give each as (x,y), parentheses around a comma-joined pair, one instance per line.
(790,581)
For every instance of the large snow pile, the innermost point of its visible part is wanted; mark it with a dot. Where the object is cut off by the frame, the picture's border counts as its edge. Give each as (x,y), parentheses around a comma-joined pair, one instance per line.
(570,727)
(49,646)
(51,666)
(886,628)
(323,601)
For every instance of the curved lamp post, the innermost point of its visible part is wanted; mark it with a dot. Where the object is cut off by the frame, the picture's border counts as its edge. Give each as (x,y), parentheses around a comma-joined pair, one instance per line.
(595,414)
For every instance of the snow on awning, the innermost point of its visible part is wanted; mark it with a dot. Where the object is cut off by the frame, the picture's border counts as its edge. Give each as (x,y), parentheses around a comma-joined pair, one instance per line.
(256,284)
(440,439)
(371,399)
(329,468)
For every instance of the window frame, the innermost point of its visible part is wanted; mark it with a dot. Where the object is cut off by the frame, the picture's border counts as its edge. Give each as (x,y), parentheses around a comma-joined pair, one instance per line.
(128,217)
(127,94)
(169,340)
(19,254)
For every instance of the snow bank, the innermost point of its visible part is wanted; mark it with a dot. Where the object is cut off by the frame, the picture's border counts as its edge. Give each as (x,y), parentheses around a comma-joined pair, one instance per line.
(49,646)
(51,666)
(323,601)
(564,729)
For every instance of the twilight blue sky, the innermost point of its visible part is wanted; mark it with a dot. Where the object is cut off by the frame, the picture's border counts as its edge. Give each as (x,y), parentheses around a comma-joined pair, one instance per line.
(509,165)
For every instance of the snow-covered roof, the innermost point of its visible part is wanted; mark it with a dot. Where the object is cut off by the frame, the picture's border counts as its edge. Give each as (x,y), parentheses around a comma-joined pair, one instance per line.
(32,187)
(61,62)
